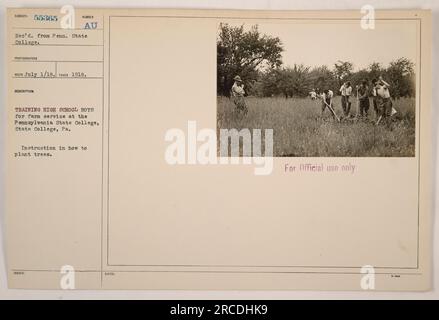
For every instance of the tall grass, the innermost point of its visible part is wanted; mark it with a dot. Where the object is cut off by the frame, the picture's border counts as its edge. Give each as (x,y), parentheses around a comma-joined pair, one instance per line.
(301,131)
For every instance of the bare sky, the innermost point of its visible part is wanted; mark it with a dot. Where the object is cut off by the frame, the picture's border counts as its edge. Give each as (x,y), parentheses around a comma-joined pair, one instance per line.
(324,43)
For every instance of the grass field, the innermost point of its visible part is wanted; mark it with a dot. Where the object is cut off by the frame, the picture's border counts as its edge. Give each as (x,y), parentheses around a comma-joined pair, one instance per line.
(301,131)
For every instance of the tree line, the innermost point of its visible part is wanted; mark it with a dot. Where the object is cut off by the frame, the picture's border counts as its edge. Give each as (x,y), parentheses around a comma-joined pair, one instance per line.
(257,59)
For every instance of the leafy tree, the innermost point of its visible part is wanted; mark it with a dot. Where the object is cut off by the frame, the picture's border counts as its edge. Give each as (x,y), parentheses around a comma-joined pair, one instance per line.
(323,78)
(401,76)
(244,53)
(300,79)
(374,70)
(357,77)
(257,59)
(288,82)
(342,71)
(272,82)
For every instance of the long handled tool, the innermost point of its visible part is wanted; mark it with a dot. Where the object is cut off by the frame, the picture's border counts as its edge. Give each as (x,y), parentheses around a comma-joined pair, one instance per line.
(358,105)
(391,114)
(332,110)
(379,119)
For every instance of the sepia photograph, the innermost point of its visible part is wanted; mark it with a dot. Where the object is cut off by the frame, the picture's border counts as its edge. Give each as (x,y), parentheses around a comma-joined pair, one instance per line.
(327,89)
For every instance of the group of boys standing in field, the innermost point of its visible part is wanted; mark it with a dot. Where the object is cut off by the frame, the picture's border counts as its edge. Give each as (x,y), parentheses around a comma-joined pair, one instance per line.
(378,92)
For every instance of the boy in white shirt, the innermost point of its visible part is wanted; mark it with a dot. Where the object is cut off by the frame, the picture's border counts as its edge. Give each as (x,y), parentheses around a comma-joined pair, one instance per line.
(238,93)
(346,91)
(326,97)
(383,97)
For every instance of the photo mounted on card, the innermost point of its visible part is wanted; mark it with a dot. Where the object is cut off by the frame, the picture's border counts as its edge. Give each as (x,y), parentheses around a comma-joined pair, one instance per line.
(219,150)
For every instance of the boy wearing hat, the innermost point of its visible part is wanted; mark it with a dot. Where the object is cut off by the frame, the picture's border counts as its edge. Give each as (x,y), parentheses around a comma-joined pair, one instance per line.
(238,94)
